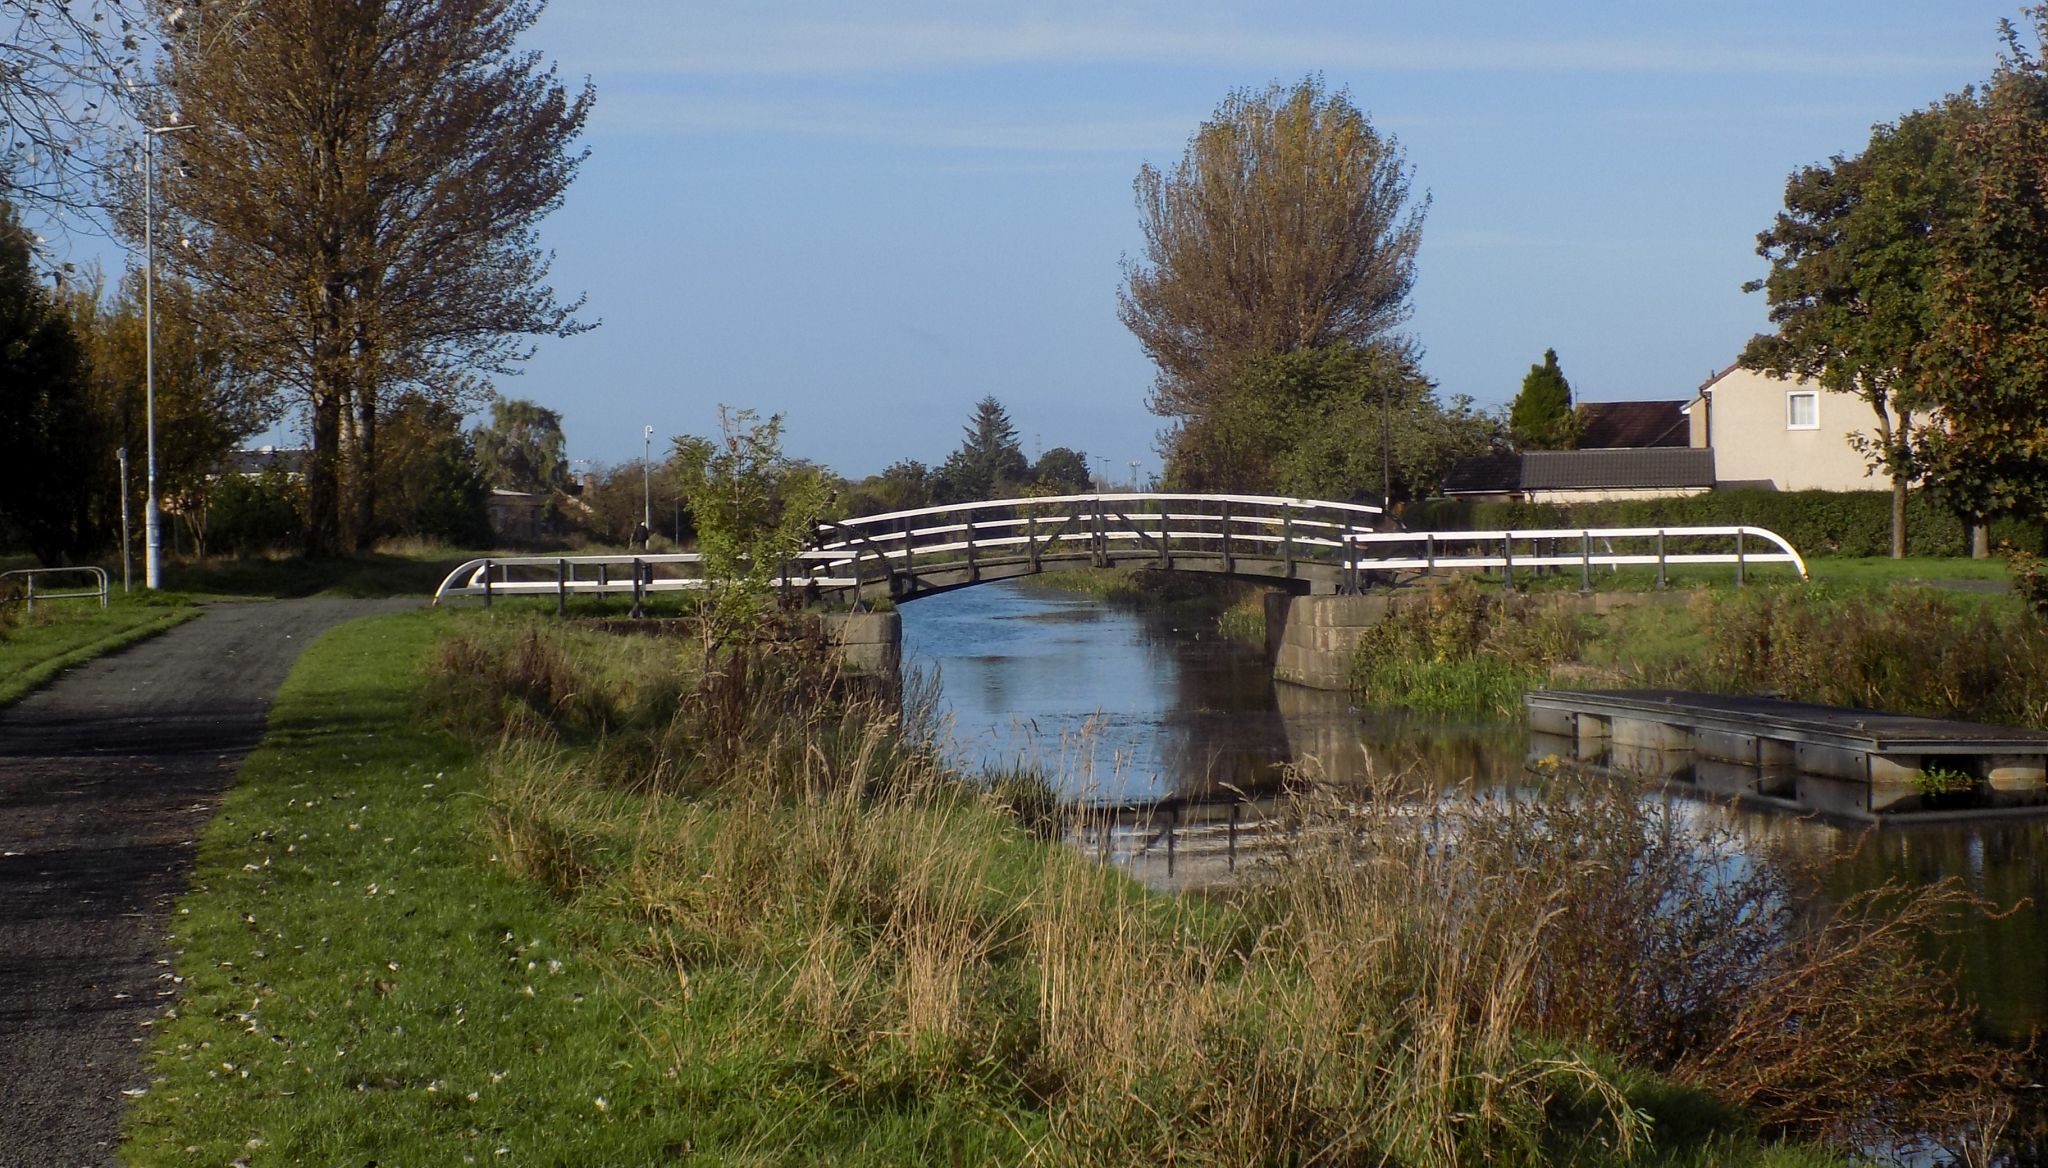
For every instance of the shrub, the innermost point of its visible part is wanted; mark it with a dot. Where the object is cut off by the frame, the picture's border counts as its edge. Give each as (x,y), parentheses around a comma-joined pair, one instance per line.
(1910,650)
(1455,649)
(251,515)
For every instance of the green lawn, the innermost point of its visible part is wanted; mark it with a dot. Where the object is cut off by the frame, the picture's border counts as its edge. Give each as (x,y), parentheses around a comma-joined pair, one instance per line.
(64,633)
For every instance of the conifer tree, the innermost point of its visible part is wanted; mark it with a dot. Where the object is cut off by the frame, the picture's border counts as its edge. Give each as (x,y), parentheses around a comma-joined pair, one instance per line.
(1541,417)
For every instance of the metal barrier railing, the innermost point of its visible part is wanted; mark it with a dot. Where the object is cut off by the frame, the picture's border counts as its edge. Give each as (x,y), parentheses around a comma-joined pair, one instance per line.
(1618,547)
(30,593)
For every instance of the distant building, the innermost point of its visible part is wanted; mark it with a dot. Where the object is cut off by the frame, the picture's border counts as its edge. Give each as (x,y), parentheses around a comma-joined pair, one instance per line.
(253,462)
(1771,433)
(517,516)
(1627,450)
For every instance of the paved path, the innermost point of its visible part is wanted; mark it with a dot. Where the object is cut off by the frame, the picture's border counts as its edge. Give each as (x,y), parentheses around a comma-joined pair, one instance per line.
(106,778)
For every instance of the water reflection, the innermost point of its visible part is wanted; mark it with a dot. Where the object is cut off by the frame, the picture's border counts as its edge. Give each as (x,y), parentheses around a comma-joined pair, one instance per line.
(1123,709)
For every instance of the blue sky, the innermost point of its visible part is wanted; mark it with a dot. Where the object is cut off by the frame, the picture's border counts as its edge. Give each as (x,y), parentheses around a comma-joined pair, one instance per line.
(869,216)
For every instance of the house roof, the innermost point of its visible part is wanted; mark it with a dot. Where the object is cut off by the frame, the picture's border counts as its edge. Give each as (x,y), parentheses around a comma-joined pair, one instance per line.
(1653,468)
(1657,467)
(1485,474)
(1632,424)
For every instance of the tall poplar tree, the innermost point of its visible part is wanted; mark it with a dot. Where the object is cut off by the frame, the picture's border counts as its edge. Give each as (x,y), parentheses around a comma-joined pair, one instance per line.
(357,200)
(1287,226)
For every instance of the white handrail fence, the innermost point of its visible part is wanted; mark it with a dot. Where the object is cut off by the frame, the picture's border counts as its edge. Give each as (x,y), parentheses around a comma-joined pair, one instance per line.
(1555,547)
(1340,544)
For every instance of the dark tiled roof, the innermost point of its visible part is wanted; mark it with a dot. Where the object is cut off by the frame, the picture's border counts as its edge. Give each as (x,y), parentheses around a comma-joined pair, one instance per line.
(289,459)
(1486,474)
(1632,424)
(1659,467)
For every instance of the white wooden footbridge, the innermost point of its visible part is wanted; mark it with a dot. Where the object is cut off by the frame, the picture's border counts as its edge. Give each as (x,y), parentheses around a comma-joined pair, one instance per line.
(1310,545)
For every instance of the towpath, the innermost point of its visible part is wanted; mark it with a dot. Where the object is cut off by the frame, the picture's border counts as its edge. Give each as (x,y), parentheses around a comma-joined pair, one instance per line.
(106,778)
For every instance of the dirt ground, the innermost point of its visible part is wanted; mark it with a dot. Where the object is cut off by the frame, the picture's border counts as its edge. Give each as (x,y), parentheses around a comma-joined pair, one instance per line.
(106,778)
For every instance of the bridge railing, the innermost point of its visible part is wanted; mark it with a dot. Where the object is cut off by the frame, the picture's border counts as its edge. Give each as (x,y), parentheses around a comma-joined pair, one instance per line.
(1098,528)
(1582,548)
(491,577)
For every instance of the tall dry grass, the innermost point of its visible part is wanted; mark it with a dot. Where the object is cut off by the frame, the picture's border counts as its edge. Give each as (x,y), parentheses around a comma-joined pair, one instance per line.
(1423,981)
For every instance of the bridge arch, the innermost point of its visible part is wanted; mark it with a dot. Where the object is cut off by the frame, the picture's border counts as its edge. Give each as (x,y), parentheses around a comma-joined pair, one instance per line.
(927,550)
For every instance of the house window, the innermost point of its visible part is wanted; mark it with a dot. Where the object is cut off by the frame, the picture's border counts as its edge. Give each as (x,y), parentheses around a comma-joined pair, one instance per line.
(1802,411)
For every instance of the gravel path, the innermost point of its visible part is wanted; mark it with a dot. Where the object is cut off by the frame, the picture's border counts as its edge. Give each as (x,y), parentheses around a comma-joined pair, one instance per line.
(106,778)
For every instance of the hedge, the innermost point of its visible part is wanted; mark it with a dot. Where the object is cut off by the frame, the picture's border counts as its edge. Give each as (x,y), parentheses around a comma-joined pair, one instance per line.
(1818,523)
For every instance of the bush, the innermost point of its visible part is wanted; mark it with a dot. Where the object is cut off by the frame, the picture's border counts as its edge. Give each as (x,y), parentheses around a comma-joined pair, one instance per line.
(1818,523)
(1453,649)
(250,516)
(1910,650)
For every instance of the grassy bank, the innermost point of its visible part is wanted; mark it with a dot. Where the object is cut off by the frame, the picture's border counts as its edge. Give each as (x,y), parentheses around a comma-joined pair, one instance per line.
(64,633)
(1459,648)
(644,910)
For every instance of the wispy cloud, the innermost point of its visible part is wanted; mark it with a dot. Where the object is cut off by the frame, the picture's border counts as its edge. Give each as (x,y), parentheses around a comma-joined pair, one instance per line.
(630,39)
(653,114)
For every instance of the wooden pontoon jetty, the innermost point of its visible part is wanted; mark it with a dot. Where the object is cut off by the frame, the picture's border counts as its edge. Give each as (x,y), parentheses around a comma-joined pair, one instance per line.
(1855,764)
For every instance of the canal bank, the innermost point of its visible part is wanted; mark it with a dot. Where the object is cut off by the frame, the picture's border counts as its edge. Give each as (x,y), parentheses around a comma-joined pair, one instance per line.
(1087,691)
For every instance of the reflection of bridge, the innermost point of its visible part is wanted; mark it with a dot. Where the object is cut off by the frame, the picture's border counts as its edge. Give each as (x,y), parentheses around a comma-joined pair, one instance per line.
(1307,544)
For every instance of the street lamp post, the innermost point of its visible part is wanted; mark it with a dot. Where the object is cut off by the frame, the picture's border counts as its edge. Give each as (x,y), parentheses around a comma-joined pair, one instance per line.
(152,528)
(647,478)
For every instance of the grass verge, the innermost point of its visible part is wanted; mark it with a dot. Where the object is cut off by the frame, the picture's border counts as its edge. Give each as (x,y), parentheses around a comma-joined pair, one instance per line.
(362,981)
(74,632)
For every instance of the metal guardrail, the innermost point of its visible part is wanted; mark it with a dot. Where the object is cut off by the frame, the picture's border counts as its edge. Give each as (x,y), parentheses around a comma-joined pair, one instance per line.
(31,575)
(1618,547)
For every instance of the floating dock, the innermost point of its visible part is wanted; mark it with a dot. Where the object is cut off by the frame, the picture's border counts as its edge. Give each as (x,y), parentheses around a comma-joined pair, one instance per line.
(1855,764)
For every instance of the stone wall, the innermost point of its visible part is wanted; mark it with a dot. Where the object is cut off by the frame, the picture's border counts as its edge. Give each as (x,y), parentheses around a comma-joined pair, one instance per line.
(869,642)
(1311,639)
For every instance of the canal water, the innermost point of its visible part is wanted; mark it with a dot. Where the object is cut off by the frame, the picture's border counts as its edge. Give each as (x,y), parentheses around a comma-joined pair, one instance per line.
(1117,706)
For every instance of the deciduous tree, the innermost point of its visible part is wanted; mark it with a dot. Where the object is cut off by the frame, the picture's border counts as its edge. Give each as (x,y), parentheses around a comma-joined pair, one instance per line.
(1062,470)
(1287,225)
(358,199)
(1984,362)
(522,447)
(66,70)
(205,405)
(46,431)
(1852,261)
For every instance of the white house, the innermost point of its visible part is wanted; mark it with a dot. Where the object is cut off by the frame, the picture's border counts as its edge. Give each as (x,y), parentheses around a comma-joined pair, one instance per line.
(1783,435)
